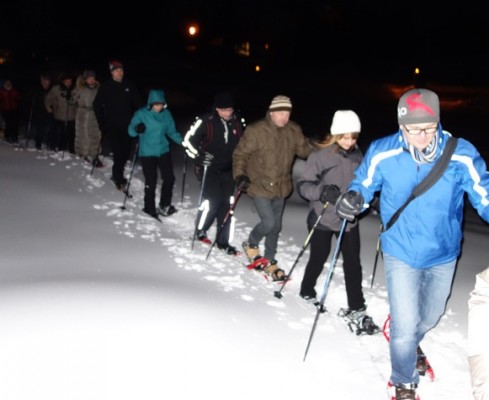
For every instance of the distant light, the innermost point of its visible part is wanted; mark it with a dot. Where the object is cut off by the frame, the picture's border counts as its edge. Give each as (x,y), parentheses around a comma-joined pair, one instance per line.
(193,30)
(257,68)
(416,71)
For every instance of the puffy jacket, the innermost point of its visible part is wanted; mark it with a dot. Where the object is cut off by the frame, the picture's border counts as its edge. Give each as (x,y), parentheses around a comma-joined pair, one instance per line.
(329,166)
(429,230)
(61,101)
(160,126)
(115,104)
(266,155)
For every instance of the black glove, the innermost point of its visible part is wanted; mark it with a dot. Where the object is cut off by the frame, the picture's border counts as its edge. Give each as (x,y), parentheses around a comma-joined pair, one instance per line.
(242,182)
(204,159)
(349,205)
(330,194)
(140,128)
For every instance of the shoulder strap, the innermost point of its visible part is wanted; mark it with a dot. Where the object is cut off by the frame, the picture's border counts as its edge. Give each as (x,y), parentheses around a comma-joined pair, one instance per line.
(430,179)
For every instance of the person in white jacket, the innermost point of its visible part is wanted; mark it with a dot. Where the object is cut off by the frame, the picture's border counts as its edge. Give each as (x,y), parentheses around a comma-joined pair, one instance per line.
(478,349)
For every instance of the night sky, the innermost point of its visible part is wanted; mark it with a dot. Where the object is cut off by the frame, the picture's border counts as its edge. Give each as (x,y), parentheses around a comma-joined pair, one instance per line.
(383,38)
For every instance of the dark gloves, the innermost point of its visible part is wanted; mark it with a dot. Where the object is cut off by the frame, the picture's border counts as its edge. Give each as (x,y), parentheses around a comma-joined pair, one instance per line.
(329,194)
(204,159)
(140,128)
(349,205)
(242,182)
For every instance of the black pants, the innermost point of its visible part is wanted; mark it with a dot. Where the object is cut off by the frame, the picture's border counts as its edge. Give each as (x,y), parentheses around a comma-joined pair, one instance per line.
(218,189)
(62,136)
(120,143)
(11,120)
(320,247)
(41,132)
(151,165)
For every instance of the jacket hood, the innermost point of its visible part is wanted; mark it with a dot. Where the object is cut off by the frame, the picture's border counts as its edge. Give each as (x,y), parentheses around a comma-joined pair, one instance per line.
(156,96)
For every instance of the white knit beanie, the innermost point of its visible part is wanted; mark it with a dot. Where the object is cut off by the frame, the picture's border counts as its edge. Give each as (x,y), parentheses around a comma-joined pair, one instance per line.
(345,121)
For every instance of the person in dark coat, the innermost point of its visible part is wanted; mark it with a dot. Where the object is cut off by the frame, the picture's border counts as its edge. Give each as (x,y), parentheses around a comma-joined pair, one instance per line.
(116,102)
(212,139)
(41,121)
(10,106)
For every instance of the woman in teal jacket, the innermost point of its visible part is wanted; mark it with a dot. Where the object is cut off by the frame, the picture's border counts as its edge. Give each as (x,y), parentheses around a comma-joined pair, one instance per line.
(155,125)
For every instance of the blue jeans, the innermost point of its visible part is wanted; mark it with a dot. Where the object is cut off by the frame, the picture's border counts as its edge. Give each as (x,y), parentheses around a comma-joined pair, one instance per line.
(270,225)
(417,300)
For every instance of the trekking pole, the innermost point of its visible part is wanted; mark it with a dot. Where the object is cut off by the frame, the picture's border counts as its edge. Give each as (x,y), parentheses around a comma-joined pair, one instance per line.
(28,135)
(326,284)
(376,256)
(94,161)
(200,202)
(126,192)
(221,228)
(184,174)
(278,293)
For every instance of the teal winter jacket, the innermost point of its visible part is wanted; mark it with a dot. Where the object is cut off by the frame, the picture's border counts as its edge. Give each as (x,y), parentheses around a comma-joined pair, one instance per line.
(160,127)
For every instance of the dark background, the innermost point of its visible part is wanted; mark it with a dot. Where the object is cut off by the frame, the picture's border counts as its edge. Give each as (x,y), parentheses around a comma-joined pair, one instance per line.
(325,55)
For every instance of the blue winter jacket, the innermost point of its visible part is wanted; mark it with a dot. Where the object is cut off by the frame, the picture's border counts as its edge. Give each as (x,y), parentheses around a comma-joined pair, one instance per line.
(429,230)
(159,127)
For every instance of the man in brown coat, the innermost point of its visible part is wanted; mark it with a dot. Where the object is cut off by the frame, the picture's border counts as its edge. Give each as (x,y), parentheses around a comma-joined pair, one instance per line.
(262,166)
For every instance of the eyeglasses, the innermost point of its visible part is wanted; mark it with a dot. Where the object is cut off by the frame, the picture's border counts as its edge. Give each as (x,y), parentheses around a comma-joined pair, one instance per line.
(417,131)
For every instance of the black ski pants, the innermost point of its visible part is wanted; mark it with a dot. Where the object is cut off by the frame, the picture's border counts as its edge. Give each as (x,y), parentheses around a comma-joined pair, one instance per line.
(151,166)
(320,247)
(218,189)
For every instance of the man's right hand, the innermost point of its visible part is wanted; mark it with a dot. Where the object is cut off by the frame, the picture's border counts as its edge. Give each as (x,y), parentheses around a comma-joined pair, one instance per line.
(349,205)
(242,182)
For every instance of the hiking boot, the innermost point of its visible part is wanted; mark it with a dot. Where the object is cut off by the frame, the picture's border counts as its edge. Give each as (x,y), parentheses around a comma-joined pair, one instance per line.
(98,163)
(358,321)
(152,213)
(120,185)
(202,237)
(167,211)
(403,391)
(231,250)
(252,251)
(352,315)
(421,364)
(276,273)
(310,299)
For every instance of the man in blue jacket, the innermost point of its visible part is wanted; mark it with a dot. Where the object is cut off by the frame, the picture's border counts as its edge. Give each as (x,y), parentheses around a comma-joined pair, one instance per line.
(420,249)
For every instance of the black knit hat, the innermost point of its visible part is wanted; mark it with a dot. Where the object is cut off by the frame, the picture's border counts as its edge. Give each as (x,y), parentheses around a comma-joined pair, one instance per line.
(223,100)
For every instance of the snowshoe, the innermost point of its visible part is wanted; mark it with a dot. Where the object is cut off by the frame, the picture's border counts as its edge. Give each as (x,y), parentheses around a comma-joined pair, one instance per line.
(167,211)
(258,264)
(273,271)
(202,237)
(228,249)
(315,302)
(402,391)
(252,251)
(152,214)
(423,366)
(358,321)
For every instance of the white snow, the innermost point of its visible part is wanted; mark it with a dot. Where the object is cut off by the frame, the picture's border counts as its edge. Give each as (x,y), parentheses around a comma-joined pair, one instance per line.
(101,303)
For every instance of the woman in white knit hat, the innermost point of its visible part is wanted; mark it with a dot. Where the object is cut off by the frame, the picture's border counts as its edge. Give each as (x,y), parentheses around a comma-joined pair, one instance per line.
(327,174)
